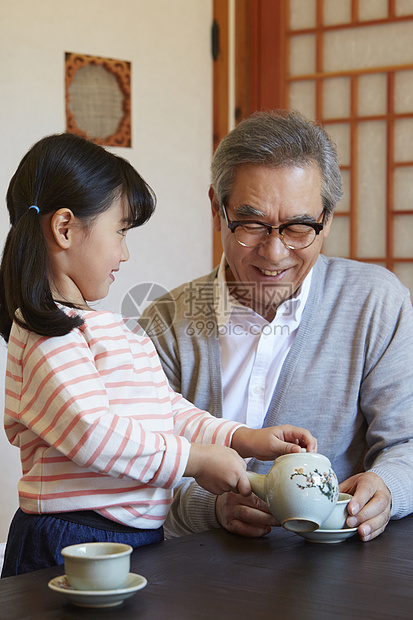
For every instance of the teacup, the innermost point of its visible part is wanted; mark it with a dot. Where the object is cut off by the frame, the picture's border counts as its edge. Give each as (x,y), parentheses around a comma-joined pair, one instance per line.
(97,565)
(337,519)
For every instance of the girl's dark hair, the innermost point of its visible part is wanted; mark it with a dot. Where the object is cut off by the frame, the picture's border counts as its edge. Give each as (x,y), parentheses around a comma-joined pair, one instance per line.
(61,170)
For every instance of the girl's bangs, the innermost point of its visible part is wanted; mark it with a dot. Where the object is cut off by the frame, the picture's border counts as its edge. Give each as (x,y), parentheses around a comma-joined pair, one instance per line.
(140,196)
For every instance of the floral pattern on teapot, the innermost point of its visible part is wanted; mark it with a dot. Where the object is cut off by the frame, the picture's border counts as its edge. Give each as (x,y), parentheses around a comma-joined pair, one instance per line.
(315,479)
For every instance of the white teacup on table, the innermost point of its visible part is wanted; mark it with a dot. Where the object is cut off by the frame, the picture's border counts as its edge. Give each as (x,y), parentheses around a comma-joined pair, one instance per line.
(337,519)
(334,529)
(97,565)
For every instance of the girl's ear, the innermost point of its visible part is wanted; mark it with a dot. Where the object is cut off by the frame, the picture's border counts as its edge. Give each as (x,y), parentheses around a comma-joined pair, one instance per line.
(62,225)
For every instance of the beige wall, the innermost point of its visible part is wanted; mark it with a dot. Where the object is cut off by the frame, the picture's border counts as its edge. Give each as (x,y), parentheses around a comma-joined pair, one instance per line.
(168,44)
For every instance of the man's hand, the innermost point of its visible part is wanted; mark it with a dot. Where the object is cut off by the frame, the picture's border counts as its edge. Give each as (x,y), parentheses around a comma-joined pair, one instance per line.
(370,508)
(246,516)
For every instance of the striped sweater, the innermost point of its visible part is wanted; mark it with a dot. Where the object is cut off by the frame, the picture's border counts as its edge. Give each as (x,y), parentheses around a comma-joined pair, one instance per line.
(97,424)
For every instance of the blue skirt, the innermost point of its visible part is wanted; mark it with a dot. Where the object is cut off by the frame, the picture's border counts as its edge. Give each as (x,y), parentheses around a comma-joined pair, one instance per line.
(35,541)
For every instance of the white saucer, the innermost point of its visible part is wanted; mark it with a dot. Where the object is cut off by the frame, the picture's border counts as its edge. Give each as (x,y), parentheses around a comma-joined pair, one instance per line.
(328,536)
(98,598)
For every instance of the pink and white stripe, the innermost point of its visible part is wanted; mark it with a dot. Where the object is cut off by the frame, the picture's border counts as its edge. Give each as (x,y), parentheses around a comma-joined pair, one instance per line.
(97,424)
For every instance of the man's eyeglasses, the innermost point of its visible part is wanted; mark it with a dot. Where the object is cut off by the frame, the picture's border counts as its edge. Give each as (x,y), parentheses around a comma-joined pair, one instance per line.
(295,236)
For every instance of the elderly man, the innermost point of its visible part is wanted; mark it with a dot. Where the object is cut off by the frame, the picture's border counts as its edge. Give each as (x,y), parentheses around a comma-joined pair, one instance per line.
(279,333)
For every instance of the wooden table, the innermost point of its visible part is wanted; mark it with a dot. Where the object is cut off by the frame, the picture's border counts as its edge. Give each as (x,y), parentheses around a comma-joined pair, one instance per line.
(217,575)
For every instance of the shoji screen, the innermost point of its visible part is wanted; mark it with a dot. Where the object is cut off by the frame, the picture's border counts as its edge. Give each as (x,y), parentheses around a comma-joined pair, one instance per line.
(350,66)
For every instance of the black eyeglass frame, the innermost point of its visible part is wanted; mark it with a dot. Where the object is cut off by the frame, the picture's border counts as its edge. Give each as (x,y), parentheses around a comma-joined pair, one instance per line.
(316,226)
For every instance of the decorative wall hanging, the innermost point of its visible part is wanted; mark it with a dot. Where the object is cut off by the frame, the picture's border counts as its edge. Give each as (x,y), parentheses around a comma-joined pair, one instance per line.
(98,103)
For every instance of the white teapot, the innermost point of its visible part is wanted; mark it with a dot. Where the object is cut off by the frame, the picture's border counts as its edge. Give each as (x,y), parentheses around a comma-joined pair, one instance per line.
(301,490)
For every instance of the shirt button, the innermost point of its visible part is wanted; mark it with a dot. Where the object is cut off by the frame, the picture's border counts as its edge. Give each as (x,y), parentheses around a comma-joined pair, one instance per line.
(257,389)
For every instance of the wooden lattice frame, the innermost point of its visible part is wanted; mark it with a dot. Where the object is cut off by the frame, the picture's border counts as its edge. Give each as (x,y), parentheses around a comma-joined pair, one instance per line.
(353,120)
(121,70)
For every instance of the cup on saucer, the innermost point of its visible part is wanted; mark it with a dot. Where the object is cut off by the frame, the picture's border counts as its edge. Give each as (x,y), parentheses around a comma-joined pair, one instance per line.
(337,519)
(97,565)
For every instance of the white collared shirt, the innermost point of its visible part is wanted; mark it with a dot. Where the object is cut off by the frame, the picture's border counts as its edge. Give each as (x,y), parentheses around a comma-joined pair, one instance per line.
(253,350)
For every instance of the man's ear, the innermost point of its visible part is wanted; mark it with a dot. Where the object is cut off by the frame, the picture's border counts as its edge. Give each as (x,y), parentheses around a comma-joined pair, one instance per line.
(216,214)
(62,225)
(327,226)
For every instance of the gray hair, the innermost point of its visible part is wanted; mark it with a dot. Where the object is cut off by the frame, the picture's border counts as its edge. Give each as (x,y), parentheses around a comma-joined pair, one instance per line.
(275,139)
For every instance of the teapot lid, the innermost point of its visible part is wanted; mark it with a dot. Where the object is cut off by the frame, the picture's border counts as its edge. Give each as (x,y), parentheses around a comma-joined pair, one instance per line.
(304,455)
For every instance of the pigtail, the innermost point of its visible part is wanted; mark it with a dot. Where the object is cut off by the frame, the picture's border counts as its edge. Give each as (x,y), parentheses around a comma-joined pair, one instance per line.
(5,316)
(25,295)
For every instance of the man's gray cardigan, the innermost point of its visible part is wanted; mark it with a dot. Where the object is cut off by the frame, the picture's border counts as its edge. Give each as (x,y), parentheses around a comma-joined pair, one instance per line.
(348,377)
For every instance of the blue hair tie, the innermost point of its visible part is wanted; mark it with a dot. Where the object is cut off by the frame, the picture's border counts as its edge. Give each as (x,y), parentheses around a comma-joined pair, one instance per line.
(34,207)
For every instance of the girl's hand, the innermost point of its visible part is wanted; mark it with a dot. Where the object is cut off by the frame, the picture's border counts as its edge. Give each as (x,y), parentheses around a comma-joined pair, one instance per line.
(217,469)
(266,444)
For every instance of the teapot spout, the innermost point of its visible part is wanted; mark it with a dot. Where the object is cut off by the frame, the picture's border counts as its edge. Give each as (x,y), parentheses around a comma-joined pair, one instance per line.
(257,482)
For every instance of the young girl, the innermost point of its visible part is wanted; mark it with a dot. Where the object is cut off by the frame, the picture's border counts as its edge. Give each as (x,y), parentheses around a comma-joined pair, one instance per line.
(103,438)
